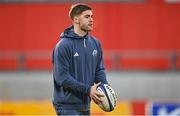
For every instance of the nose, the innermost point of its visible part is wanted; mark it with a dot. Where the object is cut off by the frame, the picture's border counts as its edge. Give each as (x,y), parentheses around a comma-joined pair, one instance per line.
(91,19)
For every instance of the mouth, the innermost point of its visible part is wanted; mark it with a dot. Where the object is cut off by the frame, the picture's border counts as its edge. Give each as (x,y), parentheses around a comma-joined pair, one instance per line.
(90,25)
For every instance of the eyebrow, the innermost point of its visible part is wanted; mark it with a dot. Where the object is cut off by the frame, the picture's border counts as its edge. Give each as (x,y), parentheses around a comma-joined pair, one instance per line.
(88,15)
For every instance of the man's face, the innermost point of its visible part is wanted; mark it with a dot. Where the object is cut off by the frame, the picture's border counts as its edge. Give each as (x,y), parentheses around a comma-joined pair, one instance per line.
(85,20)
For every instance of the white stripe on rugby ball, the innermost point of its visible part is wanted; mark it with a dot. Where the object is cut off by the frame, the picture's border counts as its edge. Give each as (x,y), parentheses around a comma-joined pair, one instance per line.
(109,99)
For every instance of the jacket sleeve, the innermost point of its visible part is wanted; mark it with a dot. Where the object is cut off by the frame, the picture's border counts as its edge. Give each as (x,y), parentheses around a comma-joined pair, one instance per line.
(62,75)
(100,75)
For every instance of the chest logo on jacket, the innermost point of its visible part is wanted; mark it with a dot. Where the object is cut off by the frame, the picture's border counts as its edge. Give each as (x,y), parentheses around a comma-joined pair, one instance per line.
(94,53)
(76,54)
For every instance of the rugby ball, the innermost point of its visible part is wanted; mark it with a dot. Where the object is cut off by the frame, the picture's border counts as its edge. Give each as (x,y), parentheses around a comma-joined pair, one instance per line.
(109,99)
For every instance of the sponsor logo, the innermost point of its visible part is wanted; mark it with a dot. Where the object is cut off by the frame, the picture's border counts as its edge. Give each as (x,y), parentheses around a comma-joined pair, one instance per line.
(76,54)
(94,53)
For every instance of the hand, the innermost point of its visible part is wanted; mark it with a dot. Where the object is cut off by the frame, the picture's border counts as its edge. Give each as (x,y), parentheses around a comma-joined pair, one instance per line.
(95,95)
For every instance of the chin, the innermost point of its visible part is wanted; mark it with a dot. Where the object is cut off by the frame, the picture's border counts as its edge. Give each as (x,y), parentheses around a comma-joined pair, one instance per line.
(90,29)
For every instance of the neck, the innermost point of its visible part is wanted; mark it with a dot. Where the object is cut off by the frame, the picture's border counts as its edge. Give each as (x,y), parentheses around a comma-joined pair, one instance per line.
(79,31)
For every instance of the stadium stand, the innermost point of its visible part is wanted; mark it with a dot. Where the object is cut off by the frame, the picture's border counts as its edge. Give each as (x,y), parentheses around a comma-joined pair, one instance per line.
(140,35)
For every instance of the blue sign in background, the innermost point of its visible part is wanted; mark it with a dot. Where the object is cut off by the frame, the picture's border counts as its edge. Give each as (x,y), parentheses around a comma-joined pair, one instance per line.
(167,108)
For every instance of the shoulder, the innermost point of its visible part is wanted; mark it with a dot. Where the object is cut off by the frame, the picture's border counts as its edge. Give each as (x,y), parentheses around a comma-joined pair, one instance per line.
(64,45)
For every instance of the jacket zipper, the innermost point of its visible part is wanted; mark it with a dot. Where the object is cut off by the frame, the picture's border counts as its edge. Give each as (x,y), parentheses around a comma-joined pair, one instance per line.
(85,43)
(85,72)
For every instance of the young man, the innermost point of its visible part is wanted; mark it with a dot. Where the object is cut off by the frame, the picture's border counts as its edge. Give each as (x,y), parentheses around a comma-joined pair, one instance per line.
(78,65)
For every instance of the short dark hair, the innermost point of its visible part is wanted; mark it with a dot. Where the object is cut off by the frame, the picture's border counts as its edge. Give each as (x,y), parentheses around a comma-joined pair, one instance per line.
(77,9)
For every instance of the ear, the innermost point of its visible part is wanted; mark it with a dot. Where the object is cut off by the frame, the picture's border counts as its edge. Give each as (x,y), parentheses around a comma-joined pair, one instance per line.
(76,20)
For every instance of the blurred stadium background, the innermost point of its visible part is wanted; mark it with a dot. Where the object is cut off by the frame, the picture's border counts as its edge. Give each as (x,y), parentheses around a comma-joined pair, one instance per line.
(141,43)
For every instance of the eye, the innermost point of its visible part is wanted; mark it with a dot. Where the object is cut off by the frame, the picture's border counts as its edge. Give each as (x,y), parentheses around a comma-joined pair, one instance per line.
(87,16)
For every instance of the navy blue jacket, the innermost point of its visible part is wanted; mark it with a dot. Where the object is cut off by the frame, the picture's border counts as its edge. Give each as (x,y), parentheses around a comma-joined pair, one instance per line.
(77,65)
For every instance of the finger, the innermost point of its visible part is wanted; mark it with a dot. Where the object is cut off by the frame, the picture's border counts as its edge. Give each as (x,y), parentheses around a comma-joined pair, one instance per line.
(99,94)
(97,84)
(97,99)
